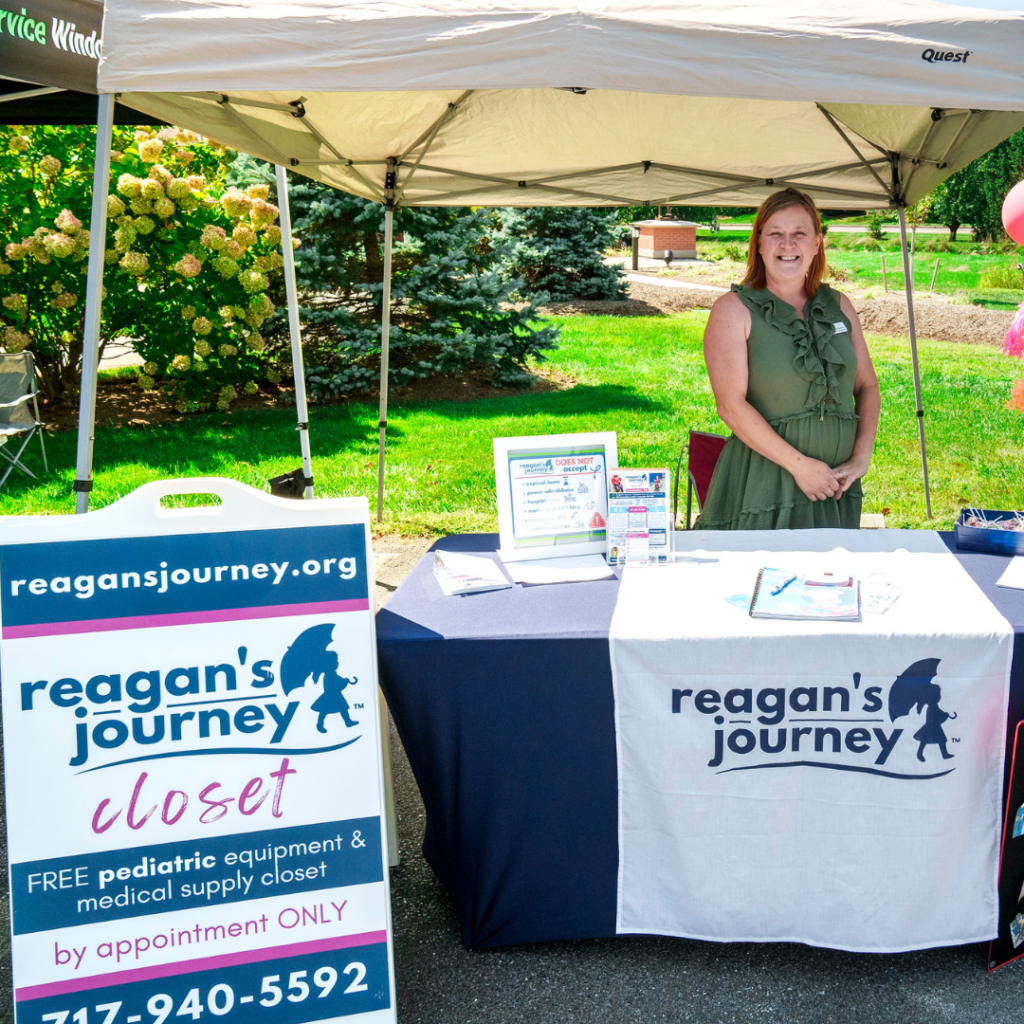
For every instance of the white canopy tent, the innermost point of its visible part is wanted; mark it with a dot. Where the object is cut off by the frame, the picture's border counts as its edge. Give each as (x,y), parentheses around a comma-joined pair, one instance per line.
(589,103)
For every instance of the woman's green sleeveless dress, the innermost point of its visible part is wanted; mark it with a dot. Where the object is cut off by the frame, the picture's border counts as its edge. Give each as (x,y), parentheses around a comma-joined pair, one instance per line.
(801,375)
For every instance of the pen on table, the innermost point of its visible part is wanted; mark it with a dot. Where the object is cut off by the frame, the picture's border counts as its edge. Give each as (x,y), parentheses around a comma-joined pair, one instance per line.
(782,586)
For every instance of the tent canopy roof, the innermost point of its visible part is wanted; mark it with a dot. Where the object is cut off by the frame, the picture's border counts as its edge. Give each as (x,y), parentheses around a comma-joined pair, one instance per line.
(586,103)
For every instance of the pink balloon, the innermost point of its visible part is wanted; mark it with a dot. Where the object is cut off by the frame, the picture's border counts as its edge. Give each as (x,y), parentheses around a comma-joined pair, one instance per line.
(1013,213)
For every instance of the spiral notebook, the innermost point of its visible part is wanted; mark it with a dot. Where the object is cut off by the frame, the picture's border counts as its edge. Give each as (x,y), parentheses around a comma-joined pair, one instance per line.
(781,594)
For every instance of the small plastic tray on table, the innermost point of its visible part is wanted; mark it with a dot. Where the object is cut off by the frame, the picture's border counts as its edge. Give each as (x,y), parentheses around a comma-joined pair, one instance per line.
(994,542)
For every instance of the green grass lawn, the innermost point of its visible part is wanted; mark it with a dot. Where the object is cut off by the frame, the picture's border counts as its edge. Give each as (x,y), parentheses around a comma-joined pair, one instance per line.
(642,377)
(959,273)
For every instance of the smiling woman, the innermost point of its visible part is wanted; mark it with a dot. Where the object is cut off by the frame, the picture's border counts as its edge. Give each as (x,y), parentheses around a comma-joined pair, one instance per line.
(793,380)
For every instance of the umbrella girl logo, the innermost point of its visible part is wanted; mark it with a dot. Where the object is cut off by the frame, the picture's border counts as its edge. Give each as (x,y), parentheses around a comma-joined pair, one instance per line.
(309,657)
(842,728)
(914,689)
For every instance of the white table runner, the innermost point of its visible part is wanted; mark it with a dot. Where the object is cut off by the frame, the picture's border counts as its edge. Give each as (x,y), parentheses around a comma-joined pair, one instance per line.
(739,819)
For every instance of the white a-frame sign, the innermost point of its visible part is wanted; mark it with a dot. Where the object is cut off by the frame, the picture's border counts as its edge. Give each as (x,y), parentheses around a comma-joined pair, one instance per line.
(193,762)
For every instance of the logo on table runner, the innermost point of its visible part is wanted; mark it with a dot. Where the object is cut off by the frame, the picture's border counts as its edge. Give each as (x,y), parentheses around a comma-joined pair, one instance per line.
(843,728)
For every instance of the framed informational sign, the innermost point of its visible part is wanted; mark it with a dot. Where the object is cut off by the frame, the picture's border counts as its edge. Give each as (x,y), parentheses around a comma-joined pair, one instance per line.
(193,762)
(553,493)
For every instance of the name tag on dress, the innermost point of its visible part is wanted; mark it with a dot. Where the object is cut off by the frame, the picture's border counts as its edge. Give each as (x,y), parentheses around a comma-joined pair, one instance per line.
(839,327)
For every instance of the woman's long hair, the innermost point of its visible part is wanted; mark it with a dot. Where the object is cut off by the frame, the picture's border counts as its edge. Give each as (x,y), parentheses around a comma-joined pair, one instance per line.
(756,277)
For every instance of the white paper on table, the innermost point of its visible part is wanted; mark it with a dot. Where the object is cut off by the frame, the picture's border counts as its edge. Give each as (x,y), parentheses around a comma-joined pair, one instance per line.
(1014,575)
(574,569)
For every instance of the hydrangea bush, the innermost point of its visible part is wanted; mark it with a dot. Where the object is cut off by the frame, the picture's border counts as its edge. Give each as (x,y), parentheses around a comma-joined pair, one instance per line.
(189,261)
(43,251)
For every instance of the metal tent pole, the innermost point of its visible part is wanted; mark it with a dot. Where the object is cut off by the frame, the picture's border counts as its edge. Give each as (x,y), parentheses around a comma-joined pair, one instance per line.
(385,339)
(93,301)
(298,366)
(909,284)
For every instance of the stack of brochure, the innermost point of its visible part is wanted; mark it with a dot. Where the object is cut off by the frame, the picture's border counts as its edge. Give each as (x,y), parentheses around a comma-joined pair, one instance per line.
(457,573)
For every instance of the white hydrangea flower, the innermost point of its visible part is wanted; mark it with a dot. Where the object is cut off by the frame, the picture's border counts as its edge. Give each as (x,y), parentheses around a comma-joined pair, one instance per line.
(16,341)
(179,188)
(130,186)
(236,203)
(150,150)
(59,244)
(225,266)
(135,263)
(188,266)
(244,235)
(67,222)
(253,281)
(262,214)
(213,237)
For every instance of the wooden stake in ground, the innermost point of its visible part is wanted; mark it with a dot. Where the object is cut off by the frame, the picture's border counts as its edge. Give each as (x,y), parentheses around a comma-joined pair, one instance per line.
(885,280)
(935,274)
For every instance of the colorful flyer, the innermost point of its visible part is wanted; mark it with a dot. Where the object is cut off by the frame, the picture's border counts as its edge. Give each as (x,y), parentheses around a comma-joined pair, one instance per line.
(638,517)
(552,494)
(193,762)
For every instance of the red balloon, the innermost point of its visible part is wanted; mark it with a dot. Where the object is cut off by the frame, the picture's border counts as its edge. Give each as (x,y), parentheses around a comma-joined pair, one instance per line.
(1013,213)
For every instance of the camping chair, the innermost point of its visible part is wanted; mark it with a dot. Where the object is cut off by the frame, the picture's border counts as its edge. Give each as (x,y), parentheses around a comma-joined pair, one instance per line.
(704,450)
(17,389)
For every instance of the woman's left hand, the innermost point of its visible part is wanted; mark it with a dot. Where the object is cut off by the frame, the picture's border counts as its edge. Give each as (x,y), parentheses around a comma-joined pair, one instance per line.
(853,469)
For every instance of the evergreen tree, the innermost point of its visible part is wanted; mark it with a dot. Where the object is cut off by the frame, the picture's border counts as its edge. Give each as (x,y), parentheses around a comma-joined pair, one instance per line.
(451,306)
(558,252)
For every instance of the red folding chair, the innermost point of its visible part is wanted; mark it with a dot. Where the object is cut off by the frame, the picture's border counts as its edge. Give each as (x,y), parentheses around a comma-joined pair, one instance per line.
(704,450)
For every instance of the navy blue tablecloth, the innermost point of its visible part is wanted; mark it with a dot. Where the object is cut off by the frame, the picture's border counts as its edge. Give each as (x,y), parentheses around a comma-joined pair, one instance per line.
(503,701)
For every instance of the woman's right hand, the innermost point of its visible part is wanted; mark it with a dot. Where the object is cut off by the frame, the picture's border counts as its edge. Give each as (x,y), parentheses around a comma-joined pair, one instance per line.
(816,479)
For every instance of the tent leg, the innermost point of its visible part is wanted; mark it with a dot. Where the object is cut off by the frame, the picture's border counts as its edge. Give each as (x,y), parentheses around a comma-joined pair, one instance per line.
(385,341)
(93,301)
(298,366)
(909,283)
